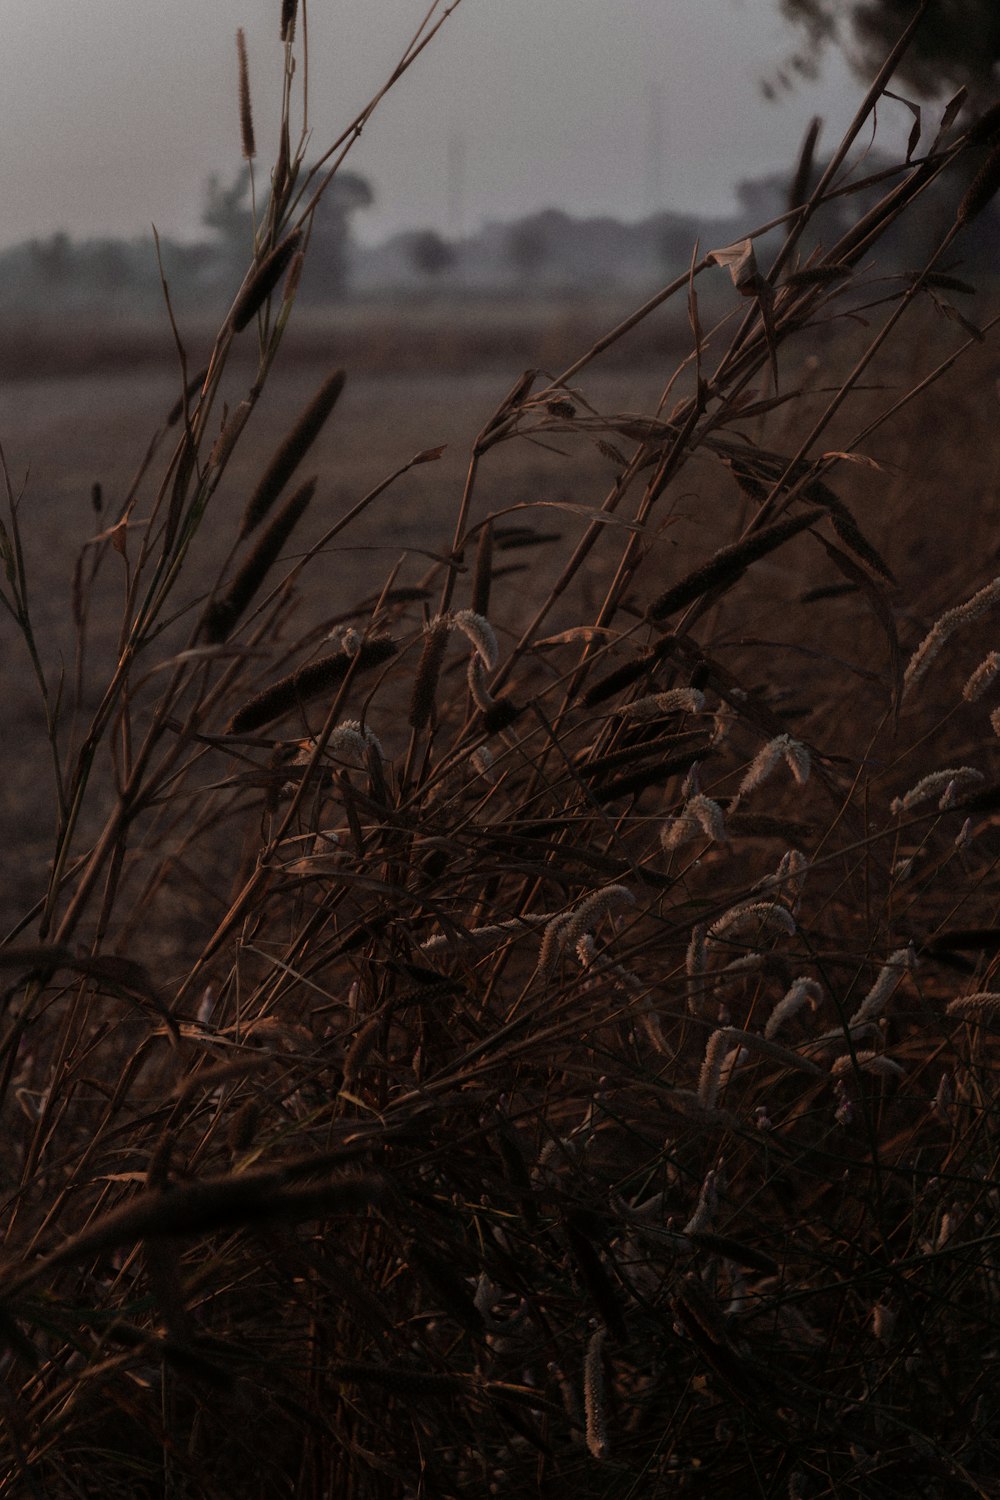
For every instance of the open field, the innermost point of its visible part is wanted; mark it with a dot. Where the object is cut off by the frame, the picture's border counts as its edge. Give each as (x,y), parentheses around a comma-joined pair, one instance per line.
(88,420)
(87,414)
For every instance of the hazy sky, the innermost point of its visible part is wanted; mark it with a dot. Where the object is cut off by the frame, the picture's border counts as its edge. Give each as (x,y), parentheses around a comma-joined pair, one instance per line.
(113,112)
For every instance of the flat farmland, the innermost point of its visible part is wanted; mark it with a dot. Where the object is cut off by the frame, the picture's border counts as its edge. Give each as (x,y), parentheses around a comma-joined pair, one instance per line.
(85,413)
(92,399)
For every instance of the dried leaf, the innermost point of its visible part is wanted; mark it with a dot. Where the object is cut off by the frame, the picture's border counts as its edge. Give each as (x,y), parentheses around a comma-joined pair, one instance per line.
(914,109)
(856,458)
(737,411)
(951,112)
(586,633)
(952,312)
(116,535)
(741,263)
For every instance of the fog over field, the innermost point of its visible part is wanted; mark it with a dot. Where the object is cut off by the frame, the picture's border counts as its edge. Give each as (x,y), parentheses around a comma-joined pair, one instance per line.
(115,114)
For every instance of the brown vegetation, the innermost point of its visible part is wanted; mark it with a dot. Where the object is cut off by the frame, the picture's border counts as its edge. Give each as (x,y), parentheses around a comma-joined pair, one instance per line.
(519,1020)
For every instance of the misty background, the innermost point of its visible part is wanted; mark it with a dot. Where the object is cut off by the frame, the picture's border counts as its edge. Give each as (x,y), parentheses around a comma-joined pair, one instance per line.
(536,144)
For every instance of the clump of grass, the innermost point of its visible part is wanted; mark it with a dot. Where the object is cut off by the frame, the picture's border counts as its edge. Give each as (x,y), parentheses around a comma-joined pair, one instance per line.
(471,1096)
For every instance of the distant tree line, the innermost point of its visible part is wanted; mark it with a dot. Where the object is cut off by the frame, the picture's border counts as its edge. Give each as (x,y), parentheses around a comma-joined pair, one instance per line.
(60,273)
(541,253)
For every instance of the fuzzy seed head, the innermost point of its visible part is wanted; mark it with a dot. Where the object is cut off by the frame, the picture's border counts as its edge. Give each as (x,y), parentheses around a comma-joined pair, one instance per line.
(949,622)
(552,945)
(708,1199)
(301,436)
(349,741)
(788,877)
(677,700)
(710,818)
(711,1068)
(868,1062)
(975,1007)
(696,952)
(982,678)
(428,672)
(478,691)
(783,747)
(593,1396)
(288,9)
(246,114)
(902,961)
(803,991)
(943,784)
(883,1322)
(595,906)
(752,915)
(482,760)
(480,632)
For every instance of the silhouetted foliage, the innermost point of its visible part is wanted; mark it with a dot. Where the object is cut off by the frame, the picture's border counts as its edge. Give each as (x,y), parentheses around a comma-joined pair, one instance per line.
(52,259)
(430,253)
(527,248)
(957,43)
(327,270)
(227,211)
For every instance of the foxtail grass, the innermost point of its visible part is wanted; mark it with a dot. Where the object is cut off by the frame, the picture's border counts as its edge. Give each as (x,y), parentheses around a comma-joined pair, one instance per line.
(488,1040)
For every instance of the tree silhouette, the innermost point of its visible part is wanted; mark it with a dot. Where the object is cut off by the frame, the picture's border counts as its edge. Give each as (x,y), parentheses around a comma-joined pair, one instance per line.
(430,254)
(227,210)
(527,247)
(327,262)
(957,42)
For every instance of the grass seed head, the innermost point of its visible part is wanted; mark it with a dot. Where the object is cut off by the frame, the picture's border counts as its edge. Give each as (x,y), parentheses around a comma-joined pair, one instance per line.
(941,784)
(729,563)
(246,113)
(750,916)
(292,451)
(593,1397)
(903,961)
(288,13)
(974,1007)
(223,614)
(945,628)
(480,632)
(782,747)
(428,672)
(308,682)
(677,700)
(982,678)
(263,281)
(804,991)
(982,189)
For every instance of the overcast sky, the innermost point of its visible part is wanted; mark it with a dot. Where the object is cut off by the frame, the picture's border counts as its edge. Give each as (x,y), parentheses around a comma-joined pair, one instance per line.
(113,112)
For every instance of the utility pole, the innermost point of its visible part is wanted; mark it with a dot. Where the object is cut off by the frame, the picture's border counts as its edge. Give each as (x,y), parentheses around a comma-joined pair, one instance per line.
(455,184)
(655,145)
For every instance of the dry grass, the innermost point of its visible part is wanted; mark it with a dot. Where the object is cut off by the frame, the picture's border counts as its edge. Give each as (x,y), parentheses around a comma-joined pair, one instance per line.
(491,1031)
